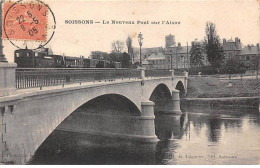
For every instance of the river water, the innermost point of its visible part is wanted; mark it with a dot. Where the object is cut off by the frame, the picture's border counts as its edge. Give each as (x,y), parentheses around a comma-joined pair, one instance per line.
(199,136)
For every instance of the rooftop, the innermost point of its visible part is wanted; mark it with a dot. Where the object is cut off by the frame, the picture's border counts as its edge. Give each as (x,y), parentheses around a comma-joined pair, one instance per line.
(231,45)
(249,50)
(156,56)
(181,49)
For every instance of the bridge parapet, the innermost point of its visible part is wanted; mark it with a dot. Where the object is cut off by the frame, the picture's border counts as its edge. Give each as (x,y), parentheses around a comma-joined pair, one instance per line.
(7,79)
(42,77)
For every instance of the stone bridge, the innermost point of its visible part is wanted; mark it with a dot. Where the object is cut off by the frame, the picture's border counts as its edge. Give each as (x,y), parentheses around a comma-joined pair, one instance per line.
(29,116)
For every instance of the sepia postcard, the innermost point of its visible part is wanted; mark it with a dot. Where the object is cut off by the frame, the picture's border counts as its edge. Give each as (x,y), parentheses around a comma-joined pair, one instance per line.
(136,82)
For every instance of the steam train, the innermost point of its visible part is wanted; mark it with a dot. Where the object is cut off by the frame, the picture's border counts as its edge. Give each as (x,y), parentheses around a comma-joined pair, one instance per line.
(44,58)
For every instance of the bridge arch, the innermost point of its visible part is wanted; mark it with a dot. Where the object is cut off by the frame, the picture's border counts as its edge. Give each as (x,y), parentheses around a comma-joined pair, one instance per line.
(96,118)
(180,86)
(116,101)
(161,96)
(101,102)
(161,91)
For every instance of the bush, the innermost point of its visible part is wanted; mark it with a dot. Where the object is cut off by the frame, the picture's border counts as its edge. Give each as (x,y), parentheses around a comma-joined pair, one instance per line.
(232,67)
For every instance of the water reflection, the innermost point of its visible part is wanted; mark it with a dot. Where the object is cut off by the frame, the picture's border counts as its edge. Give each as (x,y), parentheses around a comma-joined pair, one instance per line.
(198,136)
(214,130)
(166,151)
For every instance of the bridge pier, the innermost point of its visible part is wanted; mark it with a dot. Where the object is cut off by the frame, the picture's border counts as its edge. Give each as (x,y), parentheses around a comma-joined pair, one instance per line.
(170,106)
(176,102)
(146,124)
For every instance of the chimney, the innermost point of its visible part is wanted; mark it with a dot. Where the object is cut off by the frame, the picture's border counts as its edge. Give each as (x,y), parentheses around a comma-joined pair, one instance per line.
(224,40)
(237,40)
(257,45)
(179,45)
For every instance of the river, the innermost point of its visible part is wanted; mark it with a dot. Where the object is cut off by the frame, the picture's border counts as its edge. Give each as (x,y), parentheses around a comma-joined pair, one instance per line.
(199,136)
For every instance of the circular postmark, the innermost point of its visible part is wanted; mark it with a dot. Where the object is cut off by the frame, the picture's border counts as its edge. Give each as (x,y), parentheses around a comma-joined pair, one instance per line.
(28,23)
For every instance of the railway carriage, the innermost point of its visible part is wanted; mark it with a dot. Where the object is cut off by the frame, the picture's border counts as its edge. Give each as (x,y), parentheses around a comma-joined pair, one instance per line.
(40,58)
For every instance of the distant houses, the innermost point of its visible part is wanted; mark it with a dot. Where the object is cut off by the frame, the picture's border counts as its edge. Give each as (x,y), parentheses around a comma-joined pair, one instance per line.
(178,57)
(248,55)
(157,61)
(231,48)
(175,57)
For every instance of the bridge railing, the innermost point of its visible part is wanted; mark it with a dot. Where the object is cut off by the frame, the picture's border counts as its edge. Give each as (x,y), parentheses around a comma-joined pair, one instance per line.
(41,77)
(32,78)
(158,73)
(179,72)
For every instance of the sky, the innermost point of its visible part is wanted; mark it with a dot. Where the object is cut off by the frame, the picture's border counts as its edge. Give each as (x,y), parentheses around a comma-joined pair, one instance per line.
(233,18)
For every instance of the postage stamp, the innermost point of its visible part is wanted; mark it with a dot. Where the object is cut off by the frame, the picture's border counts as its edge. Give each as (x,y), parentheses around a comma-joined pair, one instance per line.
(26,21)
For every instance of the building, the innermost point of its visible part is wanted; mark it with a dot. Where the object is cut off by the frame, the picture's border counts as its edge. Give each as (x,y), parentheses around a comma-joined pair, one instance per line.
(146,52)
(231,48)
(146,64)
(180,56)
(169,41)
(175,57)
(249,56)
(157,61)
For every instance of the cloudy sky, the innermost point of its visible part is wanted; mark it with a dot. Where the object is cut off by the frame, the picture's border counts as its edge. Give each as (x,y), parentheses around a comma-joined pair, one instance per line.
(233,18)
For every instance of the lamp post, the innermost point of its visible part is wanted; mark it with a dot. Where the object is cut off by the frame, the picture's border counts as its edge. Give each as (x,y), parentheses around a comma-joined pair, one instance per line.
(171,59)
(258,64)
(132,53)
(100,61)
(176,57)
(2,56)
(171,51)
(140,38)
(182,61)
(229,72)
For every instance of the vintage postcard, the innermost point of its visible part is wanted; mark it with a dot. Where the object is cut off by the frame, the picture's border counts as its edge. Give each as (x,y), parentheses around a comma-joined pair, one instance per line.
(136,82)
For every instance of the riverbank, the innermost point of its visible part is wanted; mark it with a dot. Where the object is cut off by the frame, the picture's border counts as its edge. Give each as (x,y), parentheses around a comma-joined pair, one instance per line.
(211,87)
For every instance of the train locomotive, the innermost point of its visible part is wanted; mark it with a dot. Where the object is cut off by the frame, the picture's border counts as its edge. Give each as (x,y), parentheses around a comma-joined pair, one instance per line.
(44,58)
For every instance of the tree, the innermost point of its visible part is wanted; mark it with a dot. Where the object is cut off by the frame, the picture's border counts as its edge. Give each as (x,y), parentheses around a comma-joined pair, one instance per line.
(136,64)
(130,48)
(117,46)
(129,43)
(196,57)
(116,57)
(111,65)
(213,48)
(99,55)
(100,64)
(126,60)
(233,67)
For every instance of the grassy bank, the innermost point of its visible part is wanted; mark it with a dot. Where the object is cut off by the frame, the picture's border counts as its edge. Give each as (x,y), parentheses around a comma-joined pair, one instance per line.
(205,87)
